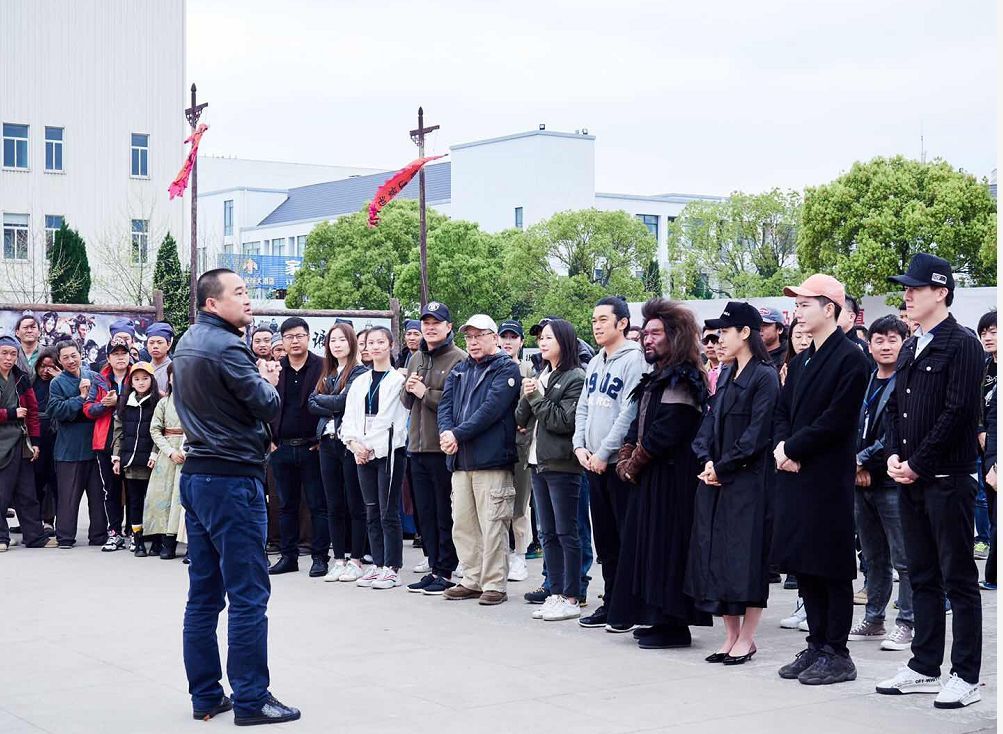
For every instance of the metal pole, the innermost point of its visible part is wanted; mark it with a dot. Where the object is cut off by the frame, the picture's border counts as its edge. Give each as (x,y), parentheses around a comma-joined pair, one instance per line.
(423,232)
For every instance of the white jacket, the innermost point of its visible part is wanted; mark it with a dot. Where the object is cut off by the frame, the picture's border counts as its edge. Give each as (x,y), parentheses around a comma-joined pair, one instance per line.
(390,420)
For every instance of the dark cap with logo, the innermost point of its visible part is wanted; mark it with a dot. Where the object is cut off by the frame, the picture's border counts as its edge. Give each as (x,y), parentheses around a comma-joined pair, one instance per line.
(926,270)
(513,326)
(535,329)
(737,314)
(437,311)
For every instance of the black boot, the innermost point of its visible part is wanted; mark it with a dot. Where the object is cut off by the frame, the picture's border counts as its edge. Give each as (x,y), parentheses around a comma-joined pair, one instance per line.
(156,544)
(169,548)
(137,537)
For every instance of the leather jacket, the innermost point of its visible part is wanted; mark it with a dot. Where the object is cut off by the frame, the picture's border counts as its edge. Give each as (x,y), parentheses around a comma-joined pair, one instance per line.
(223,403)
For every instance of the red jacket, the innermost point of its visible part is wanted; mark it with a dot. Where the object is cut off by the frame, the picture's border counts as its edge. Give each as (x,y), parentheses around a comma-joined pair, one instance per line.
(26,399)
(102,416)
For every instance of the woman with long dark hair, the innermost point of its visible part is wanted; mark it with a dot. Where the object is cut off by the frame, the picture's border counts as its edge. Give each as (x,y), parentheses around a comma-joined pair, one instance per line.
(374,428)
(727,574)
(547,411)
(799,341)
(346,516)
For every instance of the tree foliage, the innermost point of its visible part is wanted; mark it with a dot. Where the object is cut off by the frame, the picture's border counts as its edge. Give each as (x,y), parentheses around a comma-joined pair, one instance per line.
(174,282)
(742,247)
(868,223)
(69,268)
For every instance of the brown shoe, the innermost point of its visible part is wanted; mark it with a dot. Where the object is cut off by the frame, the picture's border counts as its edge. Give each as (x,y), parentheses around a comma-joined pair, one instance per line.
(460,592)
(490,598)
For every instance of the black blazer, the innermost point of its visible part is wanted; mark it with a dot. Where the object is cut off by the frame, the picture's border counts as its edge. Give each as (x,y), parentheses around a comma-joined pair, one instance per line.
(937,403)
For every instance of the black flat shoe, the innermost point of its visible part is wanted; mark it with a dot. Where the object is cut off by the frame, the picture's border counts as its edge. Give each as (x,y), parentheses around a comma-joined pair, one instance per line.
(284,565)
(733,660)
(272,712)
(319,568)
(718,657)
(220,708)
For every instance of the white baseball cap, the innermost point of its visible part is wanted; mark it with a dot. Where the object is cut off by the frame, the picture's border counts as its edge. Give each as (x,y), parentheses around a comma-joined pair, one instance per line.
(480,321)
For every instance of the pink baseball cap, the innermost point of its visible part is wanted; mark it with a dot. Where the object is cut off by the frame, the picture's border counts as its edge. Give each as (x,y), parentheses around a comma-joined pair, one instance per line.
(820,284)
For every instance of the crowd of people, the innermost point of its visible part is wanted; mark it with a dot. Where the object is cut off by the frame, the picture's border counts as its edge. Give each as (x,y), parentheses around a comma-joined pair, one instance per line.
(702,460)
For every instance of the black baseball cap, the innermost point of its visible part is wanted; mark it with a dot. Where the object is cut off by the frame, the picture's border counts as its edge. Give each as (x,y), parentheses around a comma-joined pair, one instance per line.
(926,270)
(437,311)
(117,346)
(737,314)
(512,325)
(535,329)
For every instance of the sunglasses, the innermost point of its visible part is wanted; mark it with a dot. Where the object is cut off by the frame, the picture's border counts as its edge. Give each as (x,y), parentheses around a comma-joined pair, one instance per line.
(710,339)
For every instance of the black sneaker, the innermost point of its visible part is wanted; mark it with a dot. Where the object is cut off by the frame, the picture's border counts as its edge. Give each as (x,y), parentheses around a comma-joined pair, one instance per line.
(273,712)
(438,587)
(419,586)
(536,597)
(791,582)
(595,620)
(318,568)
(829,669)
(801,662)
(222,707)
(416,542)
(534,551)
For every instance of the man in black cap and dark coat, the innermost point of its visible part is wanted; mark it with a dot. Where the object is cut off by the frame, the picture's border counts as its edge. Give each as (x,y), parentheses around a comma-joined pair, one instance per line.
(932,454)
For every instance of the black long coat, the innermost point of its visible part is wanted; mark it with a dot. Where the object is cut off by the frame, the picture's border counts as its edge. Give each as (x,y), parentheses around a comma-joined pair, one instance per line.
(816,417)
(730,543)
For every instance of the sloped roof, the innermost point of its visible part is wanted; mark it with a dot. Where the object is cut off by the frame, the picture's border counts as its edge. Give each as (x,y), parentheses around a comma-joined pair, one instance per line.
(334,198)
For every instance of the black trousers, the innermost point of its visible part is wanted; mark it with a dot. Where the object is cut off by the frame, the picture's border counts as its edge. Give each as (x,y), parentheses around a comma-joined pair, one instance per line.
(938,524)
(346,512)
(75,478)
(135,494)
(45,474)
(111,486)
(431,484)
(608,505)
(297,473)
(829,606)
(381,490)
(17,490)
(991,560)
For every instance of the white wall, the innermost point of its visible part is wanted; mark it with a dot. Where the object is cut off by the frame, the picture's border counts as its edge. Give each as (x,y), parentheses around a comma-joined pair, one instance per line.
(100,69)
(227,173)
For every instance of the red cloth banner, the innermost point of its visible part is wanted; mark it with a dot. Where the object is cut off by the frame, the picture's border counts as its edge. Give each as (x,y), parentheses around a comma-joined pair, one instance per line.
(394,185)
(180,182)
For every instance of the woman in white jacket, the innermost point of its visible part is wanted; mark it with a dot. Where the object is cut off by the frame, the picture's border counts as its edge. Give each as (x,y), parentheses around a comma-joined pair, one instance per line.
(375,430)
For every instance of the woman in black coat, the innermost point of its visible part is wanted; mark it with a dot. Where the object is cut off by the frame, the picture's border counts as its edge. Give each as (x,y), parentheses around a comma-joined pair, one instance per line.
(727,572)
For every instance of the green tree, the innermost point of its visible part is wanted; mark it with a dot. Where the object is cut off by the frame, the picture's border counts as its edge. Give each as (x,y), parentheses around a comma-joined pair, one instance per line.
(69,269)
(742,247)
(869,222)
(174,283)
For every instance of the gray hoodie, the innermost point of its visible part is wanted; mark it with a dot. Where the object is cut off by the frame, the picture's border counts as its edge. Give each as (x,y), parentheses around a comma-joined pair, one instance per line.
(605,410)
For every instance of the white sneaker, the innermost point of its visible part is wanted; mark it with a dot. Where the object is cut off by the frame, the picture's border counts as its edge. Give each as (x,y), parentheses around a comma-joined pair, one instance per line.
(388,579)
(352,572)
(422,567)
(957,693)
(907,680)
(337,569)
(895,575)
(561,610)
(458,573)
(517,568)
(372,573)
(547,604)
(900,638)
(800,615)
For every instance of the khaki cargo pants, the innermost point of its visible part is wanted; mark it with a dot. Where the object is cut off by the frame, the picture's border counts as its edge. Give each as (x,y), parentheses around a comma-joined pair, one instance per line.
(483,504)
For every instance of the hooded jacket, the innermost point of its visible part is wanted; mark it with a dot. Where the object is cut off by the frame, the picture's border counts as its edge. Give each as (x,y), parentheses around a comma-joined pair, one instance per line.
(605,411)
(433,366)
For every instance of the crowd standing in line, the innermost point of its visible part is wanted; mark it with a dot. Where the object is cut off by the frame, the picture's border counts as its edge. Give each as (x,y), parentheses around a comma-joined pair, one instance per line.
(703,459)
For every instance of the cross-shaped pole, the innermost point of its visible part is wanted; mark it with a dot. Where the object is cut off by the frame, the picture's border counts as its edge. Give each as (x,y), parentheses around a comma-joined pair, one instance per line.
(418,136)
(193,114)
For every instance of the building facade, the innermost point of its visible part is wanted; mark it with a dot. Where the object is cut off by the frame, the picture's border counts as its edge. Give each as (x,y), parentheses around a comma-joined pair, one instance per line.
(91,104)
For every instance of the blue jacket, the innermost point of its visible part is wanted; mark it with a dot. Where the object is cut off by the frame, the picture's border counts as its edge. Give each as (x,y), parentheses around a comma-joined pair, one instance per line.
(74,430)
(478,406)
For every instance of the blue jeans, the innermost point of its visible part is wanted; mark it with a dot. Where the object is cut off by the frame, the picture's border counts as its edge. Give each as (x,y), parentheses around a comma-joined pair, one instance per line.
(983,523)
(227,526)
(879,527)
(556,495)
(584,535)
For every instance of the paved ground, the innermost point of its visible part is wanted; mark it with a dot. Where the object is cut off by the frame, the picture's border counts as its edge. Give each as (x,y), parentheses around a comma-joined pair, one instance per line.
(91,643)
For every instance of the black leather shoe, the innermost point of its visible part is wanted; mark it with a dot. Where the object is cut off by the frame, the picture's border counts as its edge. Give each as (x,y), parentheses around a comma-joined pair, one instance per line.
(718,657)
(319,568)
(272,712)
(284,565)
(739,659)
(222,707)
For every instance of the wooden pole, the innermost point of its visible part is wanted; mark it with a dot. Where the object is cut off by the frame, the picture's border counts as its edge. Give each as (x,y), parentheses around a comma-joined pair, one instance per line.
(418,136)
(193,114)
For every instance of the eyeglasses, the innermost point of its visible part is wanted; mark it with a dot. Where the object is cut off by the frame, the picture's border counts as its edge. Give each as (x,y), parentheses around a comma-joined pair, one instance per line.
(483,334)
(295,337)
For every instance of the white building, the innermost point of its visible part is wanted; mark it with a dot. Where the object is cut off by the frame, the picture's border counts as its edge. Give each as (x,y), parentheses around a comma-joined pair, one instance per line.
(260,227)
(91,102)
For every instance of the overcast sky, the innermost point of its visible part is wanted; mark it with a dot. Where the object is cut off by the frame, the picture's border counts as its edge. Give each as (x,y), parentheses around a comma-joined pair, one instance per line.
(693,97)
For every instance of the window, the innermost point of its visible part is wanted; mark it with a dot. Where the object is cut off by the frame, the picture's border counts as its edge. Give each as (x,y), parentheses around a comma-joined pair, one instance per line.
(651,222)
(250,248)
(140,241)
(228,218)
(518,217)
(227,249)
(300,245)
(279,246)
(15,236)
(15,146)
(140,155)
(53,149)
(52,223)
